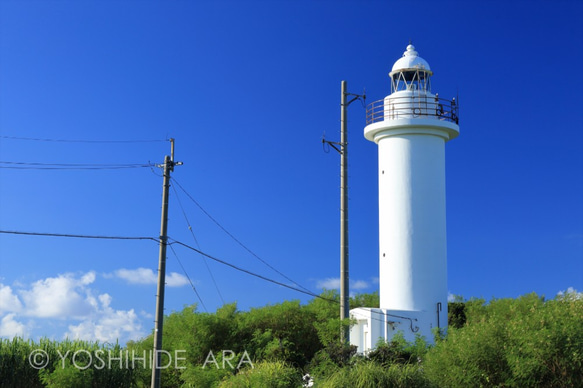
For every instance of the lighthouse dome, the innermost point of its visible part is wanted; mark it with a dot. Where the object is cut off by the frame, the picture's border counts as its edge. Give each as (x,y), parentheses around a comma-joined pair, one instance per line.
(411,72)
(410,60)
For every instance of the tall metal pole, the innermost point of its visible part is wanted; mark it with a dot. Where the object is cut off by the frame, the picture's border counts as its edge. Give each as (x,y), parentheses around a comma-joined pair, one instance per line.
(168,167)
(344,302)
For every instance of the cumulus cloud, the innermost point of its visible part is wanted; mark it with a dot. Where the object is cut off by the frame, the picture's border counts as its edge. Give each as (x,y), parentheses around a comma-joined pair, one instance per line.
(454,298)
(137,276)
(329,283)
(9,302)
(572,292)
(64,296)
(358,285)
(147,276)
(9,327)
(334,283)
(71,299)
(106,324)
(175,279)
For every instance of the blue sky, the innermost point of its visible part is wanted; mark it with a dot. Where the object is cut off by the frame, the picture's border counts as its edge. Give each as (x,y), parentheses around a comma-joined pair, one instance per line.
(247,89)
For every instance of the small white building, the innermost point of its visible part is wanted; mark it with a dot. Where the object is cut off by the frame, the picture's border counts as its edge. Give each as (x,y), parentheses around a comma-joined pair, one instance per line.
(411,127)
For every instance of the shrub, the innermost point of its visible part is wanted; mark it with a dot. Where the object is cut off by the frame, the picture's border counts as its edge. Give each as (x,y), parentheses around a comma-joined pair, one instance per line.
(513,343)
(265,374)
(369,374)
(398,351)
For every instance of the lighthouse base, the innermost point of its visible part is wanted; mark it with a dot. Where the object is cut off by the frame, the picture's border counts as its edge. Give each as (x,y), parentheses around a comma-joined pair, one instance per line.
(376,324)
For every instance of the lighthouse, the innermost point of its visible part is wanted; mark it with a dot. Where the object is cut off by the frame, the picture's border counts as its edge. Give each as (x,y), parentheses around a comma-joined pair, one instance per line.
(410,126)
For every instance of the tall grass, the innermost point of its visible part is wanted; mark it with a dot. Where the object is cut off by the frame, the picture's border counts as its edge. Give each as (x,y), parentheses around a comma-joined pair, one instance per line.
(369,374)
(68,364)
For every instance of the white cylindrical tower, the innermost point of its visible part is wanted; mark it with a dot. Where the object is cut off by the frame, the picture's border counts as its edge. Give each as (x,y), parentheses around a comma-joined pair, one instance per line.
(411,127)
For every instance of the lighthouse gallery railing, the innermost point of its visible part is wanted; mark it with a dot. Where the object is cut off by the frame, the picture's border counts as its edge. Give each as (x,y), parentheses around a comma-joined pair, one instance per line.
(412,107)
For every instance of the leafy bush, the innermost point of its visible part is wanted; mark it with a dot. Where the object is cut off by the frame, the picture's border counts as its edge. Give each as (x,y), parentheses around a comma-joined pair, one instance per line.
(456,314)
(513,343)
(208,377)
(398,351)
(265,374)
(68,376)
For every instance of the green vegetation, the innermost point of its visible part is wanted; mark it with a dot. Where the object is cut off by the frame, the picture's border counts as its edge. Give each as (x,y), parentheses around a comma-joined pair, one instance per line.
(63,364)
(523,342)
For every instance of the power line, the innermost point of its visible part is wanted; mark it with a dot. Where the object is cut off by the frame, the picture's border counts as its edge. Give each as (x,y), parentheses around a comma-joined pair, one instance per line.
(69,166)
(239,242)
(188,277)
(197,244)
(79,140)
(79,235)
(373,312)
(251,273)
(173,242)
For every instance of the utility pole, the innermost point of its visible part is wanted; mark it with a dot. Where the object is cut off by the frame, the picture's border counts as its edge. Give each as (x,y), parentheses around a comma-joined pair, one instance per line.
(344,302)
(343,151)
(168,167)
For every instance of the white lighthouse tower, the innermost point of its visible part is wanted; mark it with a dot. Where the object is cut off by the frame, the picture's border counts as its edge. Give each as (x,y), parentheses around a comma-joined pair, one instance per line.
(411,127)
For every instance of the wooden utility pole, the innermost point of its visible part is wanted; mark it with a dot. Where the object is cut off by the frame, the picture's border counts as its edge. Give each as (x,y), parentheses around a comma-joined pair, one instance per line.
(168,167)
(344,302)
(343,151)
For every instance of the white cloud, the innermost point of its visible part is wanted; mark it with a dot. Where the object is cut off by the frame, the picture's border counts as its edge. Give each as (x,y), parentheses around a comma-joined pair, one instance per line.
(334,283)
(107,325)
(147,276)
(137,276)
(9,327)
(69,298)
(329,283)
(358,285)
(88,278)
(64,296)
(8,301)
(175,279)
(572,292)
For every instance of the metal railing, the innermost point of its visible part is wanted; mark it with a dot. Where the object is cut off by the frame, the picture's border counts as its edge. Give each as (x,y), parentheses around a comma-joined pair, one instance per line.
(415,106)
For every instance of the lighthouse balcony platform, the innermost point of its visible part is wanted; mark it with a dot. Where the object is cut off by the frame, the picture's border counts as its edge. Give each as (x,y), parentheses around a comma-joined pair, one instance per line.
(412,105)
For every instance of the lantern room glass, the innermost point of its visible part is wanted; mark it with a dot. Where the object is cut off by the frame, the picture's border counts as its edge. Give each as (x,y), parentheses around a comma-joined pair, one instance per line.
(411,79)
